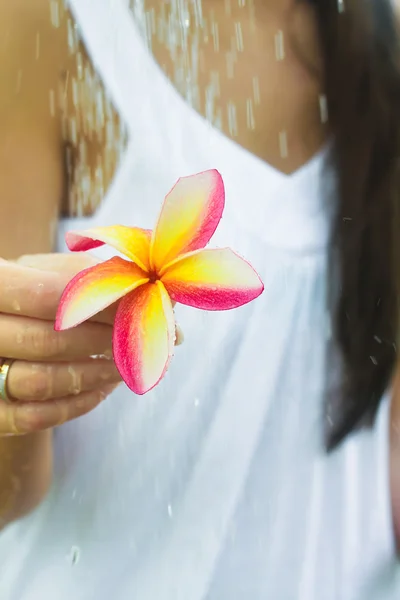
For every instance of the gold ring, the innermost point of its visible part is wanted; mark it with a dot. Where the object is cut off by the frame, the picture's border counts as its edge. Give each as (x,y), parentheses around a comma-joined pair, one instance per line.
(4,371)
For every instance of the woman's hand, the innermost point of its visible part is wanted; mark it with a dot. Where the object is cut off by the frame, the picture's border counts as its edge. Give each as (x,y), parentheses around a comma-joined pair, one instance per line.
(53,378)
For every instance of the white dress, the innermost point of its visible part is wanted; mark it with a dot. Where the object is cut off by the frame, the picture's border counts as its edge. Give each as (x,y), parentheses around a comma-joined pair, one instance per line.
(215,485)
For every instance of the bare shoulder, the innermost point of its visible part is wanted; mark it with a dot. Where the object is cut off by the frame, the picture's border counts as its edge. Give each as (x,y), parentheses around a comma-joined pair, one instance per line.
(29,40)
(31,159)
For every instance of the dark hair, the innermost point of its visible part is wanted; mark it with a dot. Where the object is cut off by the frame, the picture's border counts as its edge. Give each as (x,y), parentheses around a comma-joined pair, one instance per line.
(360,46)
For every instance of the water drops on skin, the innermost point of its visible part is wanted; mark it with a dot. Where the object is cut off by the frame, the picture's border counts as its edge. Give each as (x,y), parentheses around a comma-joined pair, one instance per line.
(16,306)
(251,124)
(230,65)
(55,13)
(185,29)
(52,103)
(232,119)
(283,144)
(239,37)
(323,108)
(86,113)
(107,356)
(75,386)
(215,35)
(279,46)
(193,38)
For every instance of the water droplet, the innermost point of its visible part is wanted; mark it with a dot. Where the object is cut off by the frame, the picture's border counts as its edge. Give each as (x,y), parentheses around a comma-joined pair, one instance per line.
(215,35)
(16,306)
(76,381)
(232,119)
(52,103)
(283,144)
(279,46)
(323,108)
(170,511)
(239,37)
(74,555)
(250,114)
(55,13)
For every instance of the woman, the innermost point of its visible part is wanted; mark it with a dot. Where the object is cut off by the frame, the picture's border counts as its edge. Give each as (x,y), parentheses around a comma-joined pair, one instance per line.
(260,466)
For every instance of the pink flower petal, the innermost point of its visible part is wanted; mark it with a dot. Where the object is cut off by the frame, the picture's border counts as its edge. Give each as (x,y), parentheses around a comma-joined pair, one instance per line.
(144,336)
(189,216)
(212,280)
(95,288)
(133,242)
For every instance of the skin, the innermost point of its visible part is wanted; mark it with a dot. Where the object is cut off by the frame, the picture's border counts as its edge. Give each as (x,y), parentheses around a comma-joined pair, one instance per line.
(33,181)
(54,378)
(289,93)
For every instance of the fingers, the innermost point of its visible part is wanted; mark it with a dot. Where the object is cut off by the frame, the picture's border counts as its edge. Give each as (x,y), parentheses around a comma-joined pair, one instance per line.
(28,417)
(40,381)
(29,290)
(33,340)
(36,293)
(66,264)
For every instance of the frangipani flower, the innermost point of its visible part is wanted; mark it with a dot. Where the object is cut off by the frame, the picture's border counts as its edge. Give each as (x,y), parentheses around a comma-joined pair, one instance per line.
(166,265)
